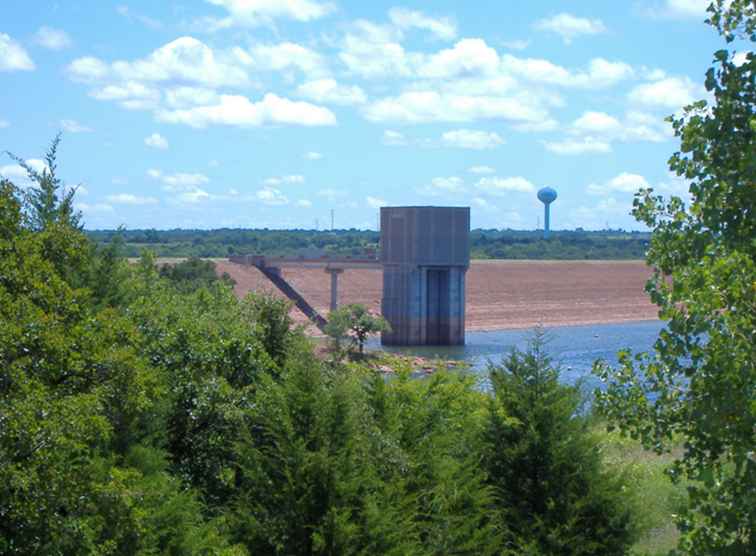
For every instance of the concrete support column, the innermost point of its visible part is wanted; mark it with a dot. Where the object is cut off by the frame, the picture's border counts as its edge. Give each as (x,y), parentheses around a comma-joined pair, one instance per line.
(334,272)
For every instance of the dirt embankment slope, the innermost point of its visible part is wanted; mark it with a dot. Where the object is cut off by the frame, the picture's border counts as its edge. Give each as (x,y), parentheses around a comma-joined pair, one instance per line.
(500,294)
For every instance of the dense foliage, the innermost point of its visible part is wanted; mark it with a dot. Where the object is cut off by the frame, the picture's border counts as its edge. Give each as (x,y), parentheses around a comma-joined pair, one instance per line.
(355,323)
(485,244)
(699,384)
(139,415)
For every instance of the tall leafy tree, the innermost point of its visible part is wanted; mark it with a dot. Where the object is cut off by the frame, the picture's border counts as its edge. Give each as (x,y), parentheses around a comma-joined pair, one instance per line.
(699,384)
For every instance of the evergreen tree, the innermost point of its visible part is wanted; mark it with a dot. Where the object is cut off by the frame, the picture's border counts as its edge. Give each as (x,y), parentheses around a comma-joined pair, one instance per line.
(544,464)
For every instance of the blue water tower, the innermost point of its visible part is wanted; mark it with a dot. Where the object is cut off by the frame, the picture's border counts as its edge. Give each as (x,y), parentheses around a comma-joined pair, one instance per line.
(547,195)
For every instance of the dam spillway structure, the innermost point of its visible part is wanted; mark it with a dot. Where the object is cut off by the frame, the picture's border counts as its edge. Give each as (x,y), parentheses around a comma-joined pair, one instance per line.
(425,254)
(547,195)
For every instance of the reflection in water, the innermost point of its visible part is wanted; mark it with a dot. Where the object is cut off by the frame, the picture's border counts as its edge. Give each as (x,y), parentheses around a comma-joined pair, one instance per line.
(573,348)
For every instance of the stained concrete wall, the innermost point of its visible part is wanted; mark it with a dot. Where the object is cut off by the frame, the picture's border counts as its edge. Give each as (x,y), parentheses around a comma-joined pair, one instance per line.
(425,252)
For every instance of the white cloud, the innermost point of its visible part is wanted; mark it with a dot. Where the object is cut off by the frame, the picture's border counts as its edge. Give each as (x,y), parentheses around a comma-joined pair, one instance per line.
(296,178)
(622,183)
(373,51)
(472,139)
(283,56)
(179,181)
(17,174)
(432,106)
(52,39)
(394,138)
(4,124)
(443,28)
(272,196)
(129,199)
(156,141)
(238,110)
(251,13)
(452,184)
(313,155)
(593,122)
(13,57)
(72,126)
(184,59)
(505,186)
(187,97)
(130,94)
(466,57)
(741,58)
(481,170)
(329,91)
(570,27)
(671,92)
(304,203)
(517,44)
(687,8)
(599,73)
(599,128)
(375,202)
(578,146)
(88,69)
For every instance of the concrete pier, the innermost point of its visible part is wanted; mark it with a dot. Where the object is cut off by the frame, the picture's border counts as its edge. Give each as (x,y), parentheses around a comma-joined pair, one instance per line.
(425,254)
(334,272)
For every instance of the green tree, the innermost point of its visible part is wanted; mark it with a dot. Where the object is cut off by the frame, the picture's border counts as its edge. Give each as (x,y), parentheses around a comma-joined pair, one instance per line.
(355,321)
(699,384)
(551,488)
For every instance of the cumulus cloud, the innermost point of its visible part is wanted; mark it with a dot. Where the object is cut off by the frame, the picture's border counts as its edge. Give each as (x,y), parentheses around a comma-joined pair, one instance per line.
(471,139)
(517,44)
(678,9)
(129,199)
(72,126)
(251,13)
(52,39)
(328,91)
(431,106)
(578,146)
(236,110)
(184,59)
(622,183)
(599,73)
(282,56)
(599,129)
(443,28)
(16,174)
(178,181)
(271,196)
(304,203)
(570,27)
(313,155)
(13,57)
(372,51)
(505,186)
(671,92)
(156,141)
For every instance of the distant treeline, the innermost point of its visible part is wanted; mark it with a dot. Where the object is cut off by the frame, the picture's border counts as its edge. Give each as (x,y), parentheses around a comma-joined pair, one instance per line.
(485,244)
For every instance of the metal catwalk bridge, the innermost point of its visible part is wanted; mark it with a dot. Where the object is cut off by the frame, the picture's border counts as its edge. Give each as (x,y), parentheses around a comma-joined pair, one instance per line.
(271,268)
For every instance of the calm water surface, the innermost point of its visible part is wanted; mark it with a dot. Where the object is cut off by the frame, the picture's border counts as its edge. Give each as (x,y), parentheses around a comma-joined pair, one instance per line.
(574,348)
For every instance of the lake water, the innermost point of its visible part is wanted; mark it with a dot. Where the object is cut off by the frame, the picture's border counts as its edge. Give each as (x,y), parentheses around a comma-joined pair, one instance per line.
(573,348)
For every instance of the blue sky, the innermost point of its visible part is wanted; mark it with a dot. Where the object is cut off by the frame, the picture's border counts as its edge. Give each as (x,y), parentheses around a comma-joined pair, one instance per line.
(270,113)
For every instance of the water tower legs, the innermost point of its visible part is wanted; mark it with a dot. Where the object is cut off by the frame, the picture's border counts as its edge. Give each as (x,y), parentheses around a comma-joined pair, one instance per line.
(334,272)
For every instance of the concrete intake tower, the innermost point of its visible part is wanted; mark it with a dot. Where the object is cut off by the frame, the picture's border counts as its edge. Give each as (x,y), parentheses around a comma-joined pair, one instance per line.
(425,253)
